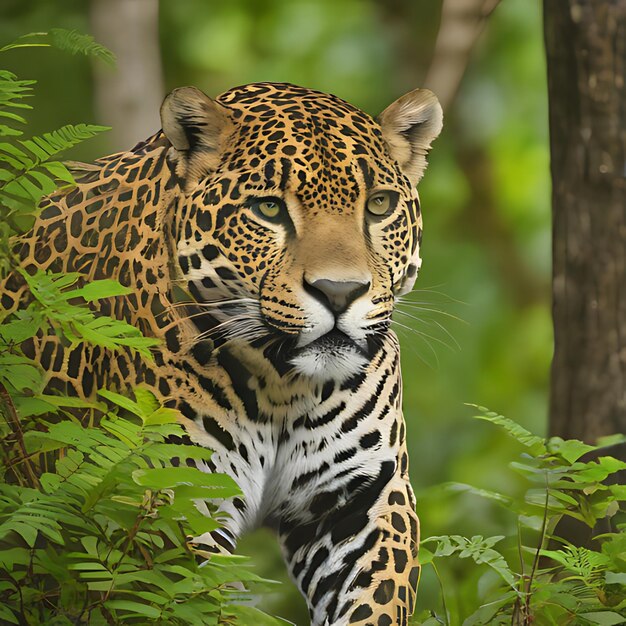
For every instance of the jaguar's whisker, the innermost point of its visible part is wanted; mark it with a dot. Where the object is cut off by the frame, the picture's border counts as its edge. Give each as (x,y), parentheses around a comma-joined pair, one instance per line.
(402,328)
(428,322)
(418,307)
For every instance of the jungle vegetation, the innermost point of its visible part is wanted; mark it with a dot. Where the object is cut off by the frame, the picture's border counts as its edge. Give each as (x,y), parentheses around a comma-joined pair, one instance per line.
(93,515)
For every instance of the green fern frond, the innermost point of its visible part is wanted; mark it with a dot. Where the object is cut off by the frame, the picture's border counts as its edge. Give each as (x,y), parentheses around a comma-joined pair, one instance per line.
(67,40)
(27,169)
(18,160)
(12,92)
(519,433)
(64,138)
(479,549)
(79,323)
(77,43)
(586,564)
(23,514)
(31,153)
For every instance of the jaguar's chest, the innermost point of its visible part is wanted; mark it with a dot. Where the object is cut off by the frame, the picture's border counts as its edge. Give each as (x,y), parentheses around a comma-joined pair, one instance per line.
(285,446)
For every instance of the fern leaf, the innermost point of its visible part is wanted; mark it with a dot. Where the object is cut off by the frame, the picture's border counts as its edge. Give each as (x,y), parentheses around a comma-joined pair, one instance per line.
(114,335)
(21,42)
(25,516)
(51,144)
(25,188)
(10,115)
(31,172)
(77,43)
(19,372)
(483,493)
(12,90)
(479,549)
(15,157)
(585,563)
(13,199)
(59,171)
(8,131)
(519,433)
(67,40)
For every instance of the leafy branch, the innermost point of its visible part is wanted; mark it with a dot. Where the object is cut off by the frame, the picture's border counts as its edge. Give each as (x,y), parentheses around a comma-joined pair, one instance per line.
(568,585)
(69,41)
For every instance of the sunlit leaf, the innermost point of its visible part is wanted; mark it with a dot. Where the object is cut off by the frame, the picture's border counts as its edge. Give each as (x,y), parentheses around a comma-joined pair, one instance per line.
(216,485)
(98,289)
(133,608)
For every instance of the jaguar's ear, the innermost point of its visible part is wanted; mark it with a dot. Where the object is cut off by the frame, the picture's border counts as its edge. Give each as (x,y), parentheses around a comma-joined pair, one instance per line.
(196,126)
(409,126)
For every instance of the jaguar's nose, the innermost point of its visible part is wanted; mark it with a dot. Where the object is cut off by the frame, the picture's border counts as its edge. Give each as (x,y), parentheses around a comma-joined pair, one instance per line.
(337,295)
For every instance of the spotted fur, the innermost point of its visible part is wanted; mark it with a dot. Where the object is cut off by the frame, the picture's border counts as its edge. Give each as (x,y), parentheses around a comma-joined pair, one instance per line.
(276,347)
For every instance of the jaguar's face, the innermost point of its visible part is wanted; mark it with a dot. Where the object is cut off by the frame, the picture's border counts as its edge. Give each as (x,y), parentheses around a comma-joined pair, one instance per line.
(300,217)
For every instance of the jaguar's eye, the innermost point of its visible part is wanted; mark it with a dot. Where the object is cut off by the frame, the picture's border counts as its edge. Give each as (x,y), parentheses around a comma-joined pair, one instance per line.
(380,203)
(268,208)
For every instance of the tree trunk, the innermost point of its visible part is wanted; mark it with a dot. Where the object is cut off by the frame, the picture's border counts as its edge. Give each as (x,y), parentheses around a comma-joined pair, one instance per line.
(586,55)
(128,97)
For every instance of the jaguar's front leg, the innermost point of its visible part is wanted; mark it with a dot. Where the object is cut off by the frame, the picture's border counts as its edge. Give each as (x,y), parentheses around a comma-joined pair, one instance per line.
(356,562)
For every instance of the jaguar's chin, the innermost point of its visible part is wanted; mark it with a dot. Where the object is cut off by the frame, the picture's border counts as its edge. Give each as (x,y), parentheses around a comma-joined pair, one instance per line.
(334,356)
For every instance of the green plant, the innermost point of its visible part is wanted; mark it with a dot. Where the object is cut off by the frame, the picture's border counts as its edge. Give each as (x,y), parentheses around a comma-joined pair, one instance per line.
(29,168)
(100,537)
(96,501)
(552,582)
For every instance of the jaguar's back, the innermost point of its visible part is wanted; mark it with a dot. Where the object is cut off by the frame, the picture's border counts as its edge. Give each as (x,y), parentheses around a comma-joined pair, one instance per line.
(265,236)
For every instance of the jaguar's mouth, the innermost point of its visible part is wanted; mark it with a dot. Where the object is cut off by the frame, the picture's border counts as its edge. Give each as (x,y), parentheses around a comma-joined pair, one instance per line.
(333,356)
(335,339)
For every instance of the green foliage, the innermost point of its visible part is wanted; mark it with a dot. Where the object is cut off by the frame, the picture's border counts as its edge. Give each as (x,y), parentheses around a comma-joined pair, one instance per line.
(29,168)
(537,581)
(66,40)
(486,205)
(96,502)
(57,304)
(485,199)
(52,295)
(101,536)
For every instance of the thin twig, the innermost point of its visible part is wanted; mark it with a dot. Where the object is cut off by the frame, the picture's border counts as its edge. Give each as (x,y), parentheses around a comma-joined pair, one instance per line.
(542,537)
(19,433)
(443,595)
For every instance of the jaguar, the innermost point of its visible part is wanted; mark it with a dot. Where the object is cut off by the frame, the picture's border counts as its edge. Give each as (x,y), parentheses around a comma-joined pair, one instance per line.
(265,236)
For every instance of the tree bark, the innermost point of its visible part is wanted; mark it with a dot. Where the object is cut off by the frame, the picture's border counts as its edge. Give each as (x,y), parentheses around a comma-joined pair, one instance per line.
(129,96)
(586,55)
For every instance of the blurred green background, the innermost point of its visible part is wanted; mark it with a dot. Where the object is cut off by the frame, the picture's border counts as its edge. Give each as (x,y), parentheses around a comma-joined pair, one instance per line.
(480,330)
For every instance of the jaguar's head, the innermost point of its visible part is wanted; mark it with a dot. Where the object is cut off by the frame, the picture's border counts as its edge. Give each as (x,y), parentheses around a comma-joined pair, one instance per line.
(301,211)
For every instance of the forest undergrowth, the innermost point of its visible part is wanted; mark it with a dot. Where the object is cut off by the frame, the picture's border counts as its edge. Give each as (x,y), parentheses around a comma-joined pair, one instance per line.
(95,511)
